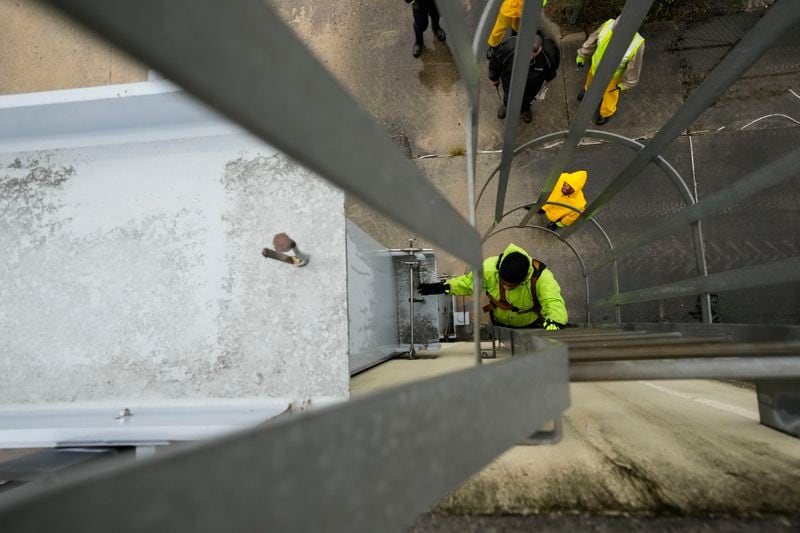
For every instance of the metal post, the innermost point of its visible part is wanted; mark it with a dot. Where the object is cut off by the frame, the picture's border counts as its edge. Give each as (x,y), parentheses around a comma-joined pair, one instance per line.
(519,75)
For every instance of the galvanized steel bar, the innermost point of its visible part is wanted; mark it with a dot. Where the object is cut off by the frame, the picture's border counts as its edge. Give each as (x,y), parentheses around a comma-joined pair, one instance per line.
(485,24)
(706,314)
(519,77)
(767,176)
(663,164)
(764,275)
(780,18)
(467,64)
(628,24)
(719,368)
(614,272)
(576,346)
(242,60)
(677,350)
(533,142)
(346,467)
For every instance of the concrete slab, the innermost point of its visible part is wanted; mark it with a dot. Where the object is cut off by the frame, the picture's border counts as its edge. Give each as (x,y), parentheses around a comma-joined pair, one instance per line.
(640,447)
(765,87)
(43,51)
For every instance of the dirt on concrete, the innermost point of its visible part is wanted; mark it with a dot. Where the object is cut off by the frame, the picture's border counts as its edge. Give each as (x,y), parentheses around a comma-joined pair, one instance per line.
(44,51)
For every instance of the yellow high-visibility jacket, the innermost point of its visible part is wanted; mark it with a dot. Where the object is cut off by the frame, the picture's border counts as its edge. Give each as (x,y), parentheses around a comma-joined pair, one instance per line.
(548,293)
(565,215)
(513,8)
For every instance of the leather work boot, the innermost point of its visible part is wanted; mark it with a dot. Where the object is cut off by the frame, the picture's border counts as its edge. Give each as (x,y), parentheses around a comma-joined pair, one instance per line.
(501,113)
(440,34)
(526,115)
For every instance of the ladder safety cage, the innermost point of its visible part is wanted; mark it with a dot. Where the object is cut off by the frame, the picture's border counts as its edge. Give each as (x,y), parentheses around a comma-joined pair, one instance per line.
(347,466)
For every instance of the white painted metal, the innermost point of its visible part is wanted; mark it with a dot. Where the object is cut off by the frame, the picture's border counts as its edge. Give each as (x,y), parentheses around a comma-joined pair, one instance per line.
(90,424)
(131,224)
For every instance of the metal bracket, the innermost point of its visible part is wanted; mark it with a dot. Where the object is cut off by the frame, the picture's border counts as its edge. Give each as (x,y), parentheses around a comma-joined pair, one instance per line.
(548,438)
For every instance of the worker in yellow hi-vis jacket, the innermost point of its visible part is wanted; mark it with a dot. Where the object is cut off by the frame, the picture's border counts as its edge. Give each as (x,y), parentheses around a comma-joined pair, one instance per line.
(509,15)
(568,191)
(523,293)
(625,77)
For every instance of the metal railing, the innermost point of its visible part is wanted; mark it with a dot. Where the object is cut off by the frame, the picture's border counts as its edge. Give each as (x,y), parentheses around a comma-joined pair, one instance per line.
(348,467)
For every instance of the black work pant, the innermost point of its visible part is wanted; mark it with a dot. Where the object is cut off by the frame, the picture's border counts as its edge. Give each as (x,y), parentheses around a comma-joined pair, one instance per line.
(531,90)
(422,10)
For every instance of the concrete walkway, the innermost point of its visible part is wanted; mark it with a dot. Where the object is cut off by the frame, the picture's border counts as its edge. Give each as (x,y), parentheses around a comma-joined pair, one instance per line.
(663,447)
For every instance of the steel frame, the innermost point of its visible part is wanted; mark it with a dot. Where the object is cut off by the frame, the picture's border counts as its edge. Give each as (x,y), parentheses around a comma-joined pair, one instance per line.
(346,467)
(306,473)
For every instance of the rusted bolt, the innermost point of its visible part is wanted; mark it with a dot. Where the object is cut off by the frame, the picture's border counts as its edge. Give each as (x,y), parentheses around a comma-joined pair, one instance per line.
(282,244)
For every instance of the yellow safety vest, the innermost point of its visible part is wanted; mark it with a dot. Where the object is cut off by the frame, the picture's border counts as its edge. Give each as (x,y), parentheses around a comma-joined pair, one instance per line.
(602,42)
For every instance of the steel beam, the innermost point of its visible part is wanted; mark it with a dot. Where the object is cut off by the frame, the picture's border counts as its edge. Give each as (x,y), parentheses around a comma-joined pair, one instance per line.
(243,61)
(628,24)
(767,176)
(764,275)
(577,347)
(346,467)
(485,24)
(780,18)
(719,368)
(700,348)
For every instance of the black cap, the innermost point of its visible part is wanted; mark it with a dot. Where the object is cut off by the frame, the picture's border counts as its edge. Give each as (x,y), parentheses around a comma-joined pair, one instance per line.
(514,268)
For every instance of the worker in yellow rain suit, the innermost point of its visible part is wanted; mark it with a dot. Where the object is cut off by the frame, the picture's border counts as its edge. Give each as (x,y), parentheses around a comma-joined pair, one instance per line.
(509,15)
(625,77)
(569,191)
(523,292)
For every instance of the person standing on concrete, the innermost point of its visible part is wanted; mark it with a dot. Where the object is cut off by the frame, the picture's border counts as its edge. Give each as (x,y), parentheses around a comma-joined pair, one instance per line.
(509,15)
(625,77)
(423,9)
(523,293)
(569,191)
(544,61)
